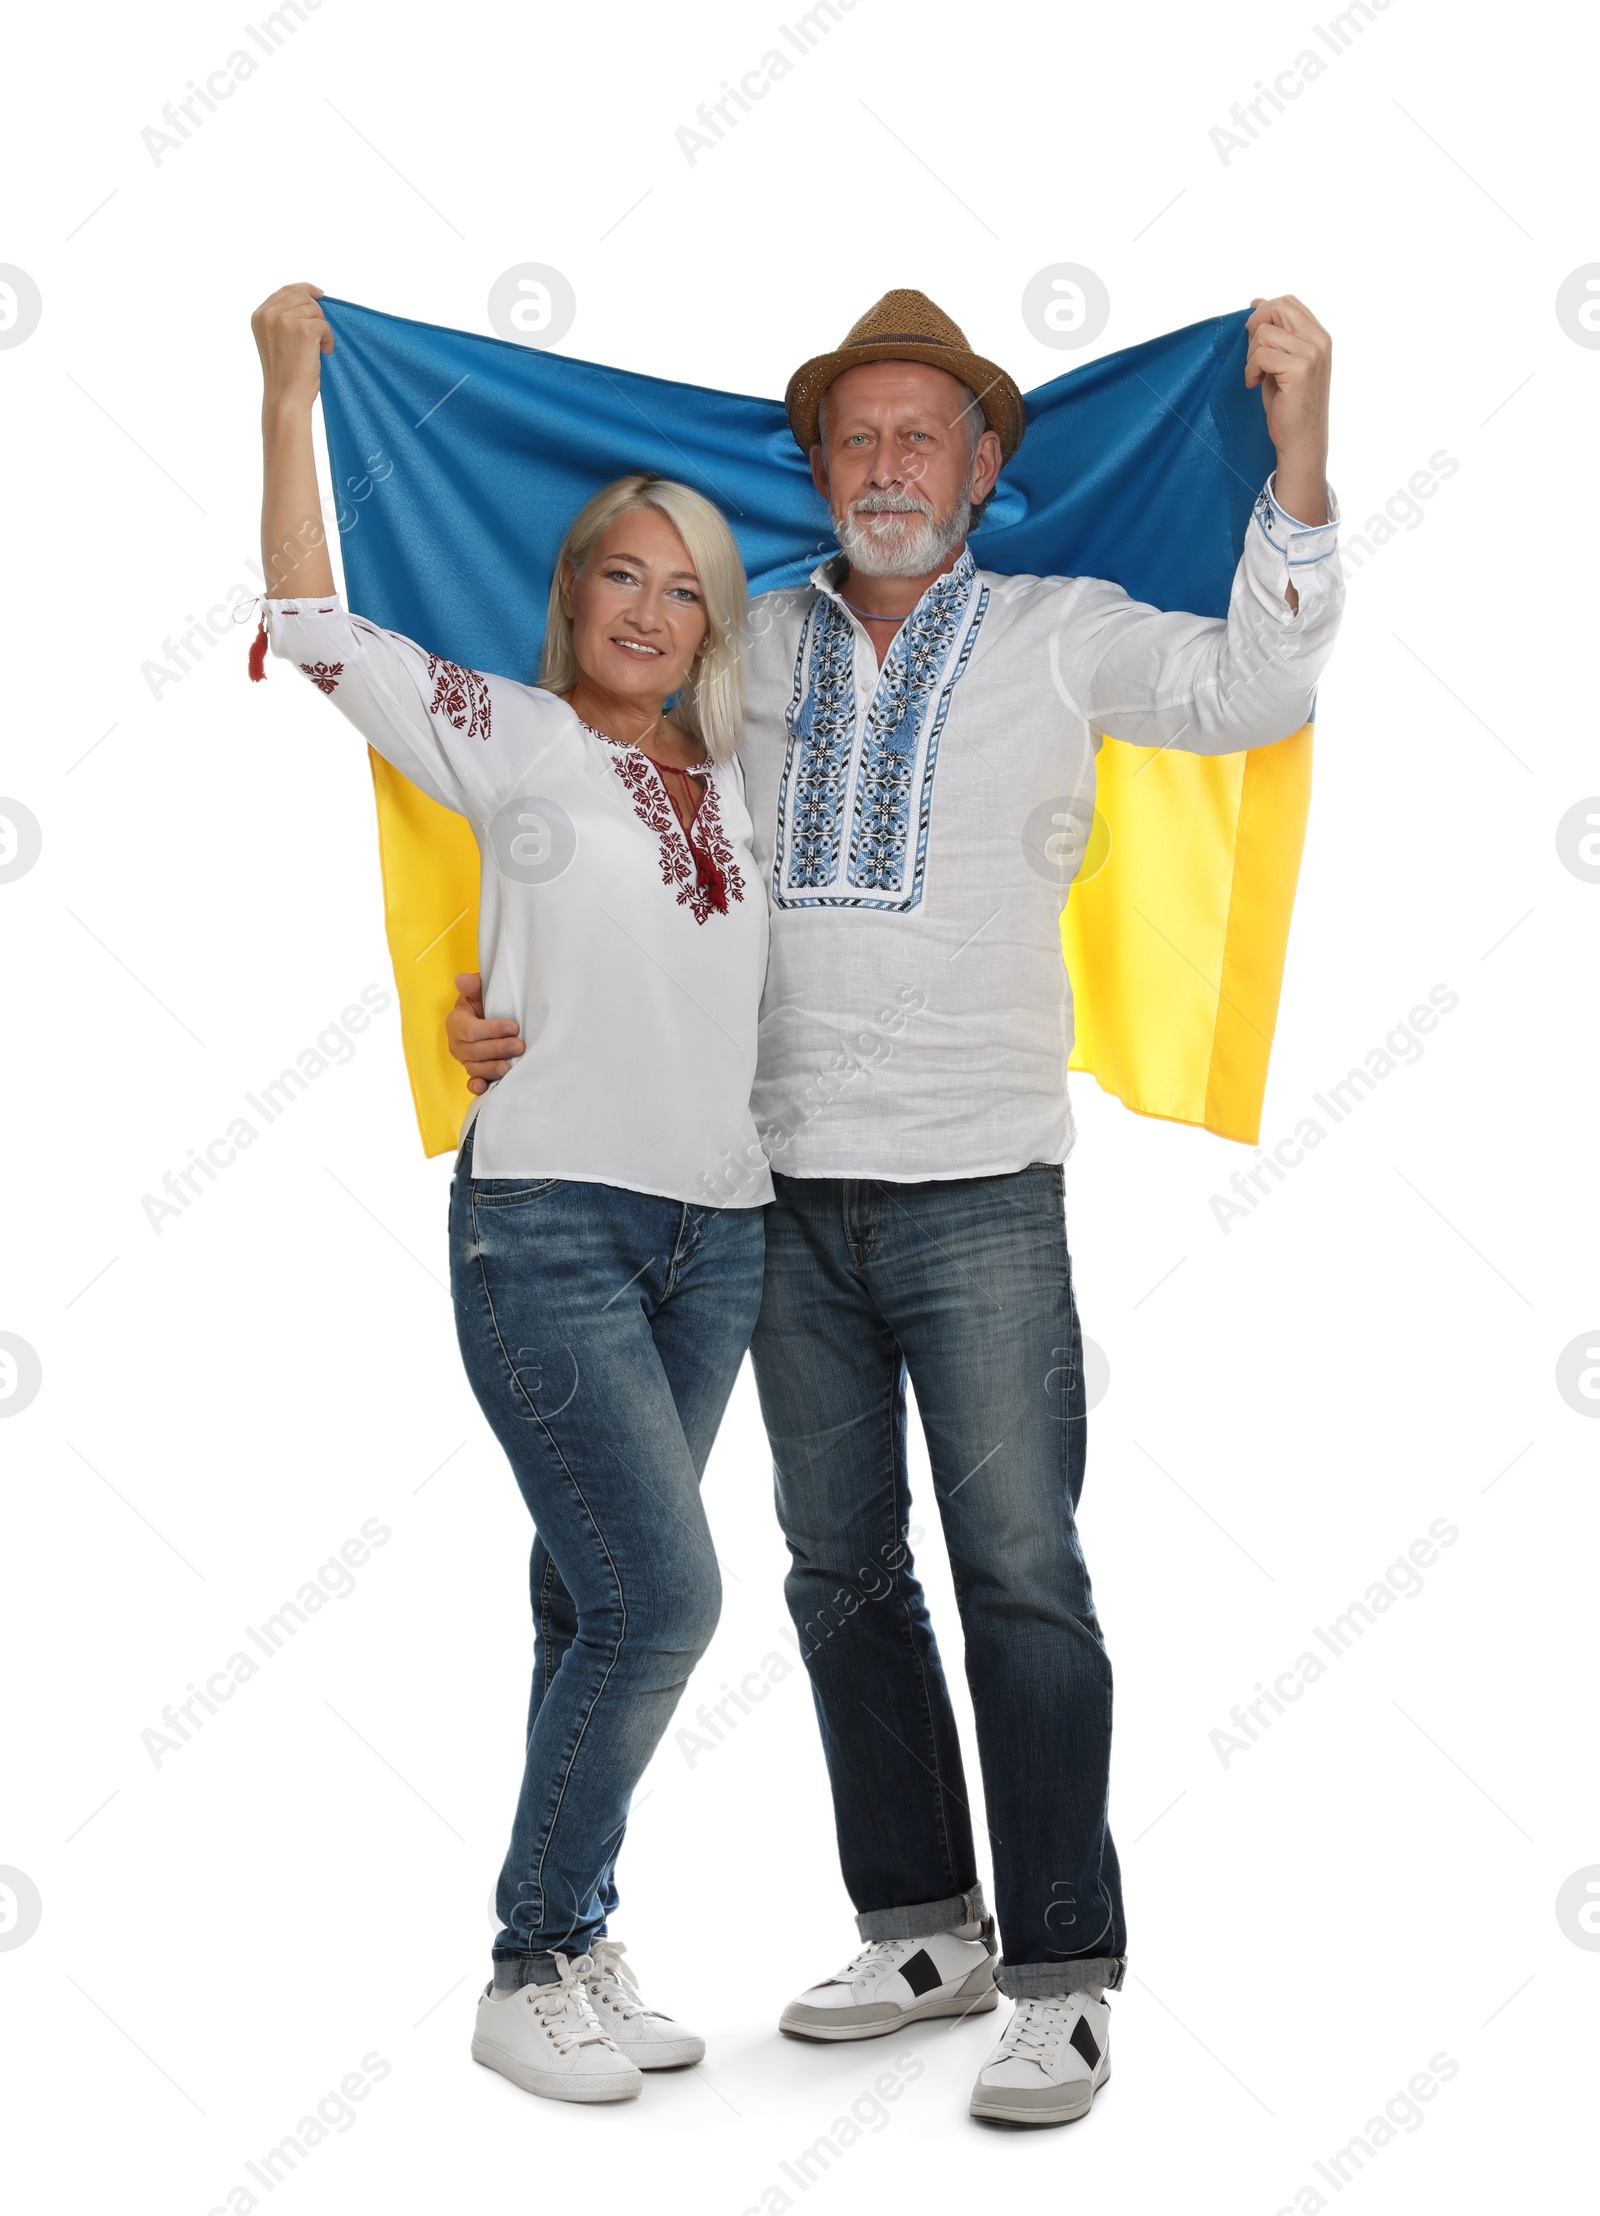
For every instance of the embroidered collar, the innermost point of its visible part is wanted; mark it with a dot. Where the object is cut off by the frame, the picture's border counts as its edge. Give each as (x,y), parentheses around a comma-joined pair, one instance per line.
(855,800)
(696,860)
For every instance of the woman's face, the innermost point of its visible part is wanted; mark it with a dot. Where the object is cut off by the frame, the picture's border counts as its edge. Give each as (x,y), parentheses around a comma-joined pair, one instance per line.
(637,611)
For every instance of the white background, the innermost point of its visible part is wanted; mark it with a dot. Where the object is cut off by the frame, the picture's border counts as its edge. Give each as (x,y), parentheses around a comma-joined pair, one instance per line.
(305,1883)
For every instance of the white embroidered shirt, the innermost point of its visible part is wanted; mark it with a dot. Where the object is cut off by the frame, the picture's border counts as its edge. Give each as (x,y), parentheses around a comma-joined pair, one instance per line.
(630,952)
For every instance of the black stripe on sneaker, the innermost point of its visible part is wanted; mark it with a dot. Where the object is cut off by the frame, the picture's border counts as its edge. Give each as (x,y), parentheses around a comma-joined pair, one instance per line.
(921,1973)
(1085,2042)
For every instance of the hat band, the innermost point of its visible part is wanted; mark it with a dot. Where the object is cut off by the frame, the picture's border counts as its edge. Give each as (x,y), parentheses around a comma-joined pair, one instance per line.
(900,338)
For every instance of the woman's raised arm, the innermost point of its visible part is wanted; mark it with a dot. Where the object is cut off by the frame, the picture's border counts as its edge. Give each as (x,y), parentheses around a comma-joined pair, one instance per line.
(435,722)
(292,335)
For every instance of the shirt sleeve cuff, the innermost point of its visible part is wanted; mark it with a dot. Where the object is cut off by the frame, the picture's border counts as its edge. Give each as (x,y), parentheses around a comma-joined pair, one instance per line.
(304,604)
(1302,545)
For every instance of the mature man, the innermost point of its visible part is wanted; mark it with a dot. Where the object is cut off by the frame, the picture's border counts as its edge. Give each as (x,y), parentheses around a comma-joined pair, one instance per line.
(907,715)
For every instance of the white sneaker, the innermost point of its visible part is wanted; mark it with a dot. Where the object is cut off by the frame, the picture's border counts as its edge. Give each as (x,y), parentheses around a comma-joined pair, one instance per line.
(545,2038)
(1053,2059)
(650,2040)
(893,1982)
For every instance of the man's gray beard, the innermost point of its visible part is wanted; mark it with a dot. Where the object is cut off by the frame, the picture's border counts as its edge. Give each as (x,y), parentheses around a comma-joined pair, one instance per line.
(921,550)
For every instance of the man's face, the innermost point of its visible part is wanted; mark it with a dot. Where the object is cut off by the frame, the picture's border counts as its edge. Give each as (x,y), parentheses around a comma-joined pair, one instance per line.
(897,466)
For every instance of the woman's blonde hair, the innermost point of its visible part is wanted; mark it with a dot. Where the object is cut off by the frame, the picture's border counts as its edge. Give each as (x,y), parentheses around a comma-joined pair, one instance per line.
(711,702)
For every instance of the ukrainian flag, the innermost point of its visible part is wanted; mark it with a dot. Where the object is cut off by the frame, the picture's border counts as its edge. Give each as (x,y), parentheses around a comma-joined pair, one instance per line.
(459,461)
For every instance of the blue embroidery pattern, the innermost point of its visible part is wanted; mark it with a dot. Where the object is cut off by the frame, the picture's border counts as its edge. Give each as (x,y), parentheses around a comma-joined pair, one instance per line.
(911,669)
(826,729)
(821,757)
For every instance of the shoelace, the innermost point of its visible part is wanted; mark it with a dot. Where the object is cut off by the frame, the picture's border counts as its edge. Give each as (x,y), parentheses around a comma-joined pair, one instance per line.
(878,1954)
(610,1980)
(563,2007)
(1037,2029)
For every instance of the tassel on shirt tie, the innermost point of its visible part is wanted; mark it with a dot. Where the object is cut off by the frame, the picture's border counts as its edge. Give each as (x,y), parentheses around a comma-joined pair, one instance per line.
(708,878)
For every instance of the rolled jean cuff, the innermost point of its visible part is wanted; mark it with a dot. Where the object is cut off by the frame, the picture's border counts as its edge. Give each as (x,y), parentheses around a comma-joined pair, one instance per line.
(513,1971)
(923,1918)
(1021,1981)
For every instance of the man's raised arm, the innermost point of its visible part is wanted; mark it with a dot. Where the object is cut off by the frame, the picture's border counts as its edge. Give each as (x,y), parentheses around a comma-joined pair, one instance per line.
(1218,686)
(485,1047)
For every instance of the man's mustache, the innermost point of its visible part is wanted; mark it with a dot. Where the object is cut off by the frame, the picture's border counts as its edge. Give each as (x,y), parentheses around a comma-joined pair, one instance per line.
(889,503)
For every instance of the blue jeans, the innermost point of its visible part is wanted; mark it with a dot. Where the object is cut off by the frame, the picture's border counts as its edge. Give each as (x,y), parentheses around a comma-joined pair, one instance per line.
(602,1331)
(967,1286)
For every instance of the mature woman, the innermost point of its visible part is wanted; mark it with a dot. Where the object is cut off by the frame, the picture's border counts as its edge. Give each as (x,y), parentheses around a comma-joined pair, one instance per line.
(602,1307)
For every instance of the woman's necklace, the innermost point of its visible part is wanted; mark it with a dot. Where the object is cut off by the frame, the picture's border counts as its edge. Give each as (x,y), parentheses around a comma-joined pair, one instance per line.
(639,742)
(692,769)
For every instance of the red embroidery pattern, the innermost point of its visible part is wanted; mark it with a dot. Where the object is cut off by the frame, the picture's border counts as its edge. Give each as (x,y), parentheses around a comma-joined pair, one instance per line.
(324,675)
(696,888)
(462,695)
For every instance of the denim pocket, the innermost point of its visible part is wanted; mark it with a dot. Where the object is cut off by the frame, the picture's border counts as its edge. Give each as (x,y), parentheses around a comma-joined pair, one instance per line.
(507,1192)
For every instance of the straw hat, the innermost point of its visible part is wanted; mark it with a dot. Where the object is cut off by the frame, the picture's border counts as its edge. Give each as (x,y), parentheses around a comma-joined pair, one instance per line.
(906,327)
